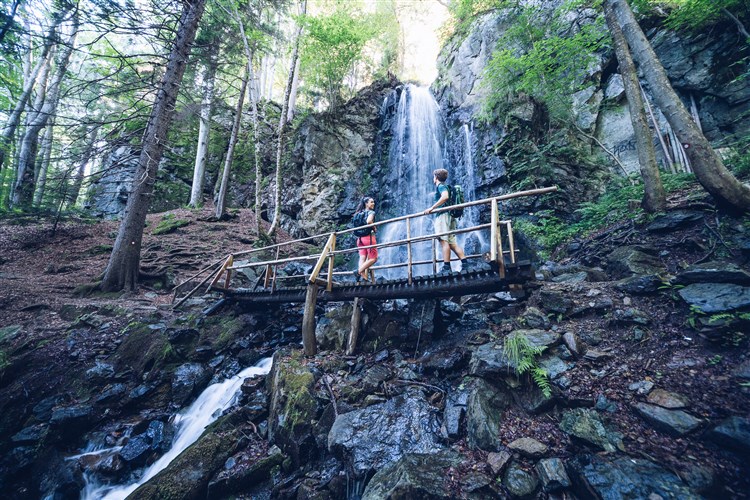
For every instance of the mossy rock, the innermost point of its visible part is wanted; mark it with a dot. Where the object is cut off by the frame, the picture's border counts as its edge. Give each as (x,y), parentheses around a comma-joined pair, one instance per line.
(188,475)
(293,410)
(169,225)
(220,331)
(144,349)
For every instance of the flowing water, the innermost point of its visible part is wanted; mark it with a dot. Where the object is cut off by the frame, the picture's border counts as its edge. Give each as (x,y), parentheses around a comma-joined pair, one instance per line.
(189,425)
(417,149)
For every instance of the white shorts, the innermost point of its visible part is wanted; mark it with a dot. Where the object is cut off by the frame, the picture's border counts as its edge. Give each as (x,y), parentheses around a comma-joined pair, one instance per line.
(444,223)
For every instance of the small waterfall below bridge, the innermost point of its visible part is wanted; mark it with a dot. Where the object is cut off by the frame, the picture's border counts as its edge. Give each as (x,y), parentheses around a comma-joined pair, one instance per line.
(418,148)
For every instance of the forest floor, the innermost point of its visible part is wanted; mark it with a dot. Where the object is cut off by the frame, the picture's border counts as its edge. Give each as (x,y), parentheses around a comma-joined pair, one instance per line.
(40,272)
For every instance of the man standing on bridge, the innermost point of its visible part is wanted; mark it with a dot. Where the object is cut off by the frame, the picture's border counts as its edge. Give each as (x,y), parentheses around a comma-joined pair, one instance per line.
(445,222)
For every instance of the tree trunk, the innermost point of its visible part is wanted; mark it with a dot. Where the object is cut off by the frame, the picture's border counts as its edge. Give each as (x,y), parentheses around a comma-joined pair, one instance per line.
(705,162)
(9,21)
(221,200)
(42,66)
(75,189)
(282,125)
(293,95)
(654,197)
(23,192)
(124,263)
(46,153)
(196,192)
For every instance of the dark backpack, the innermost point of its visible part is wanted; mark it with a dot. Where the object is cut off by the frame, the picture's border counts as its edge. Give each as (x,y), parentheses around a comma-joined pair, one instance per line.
(456,197)
(360,219)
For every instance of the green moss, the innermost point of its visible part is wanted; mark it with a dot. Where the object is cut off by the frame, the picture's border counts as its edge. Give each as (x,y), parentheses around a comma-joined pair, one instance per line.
(144,349)
(169,225)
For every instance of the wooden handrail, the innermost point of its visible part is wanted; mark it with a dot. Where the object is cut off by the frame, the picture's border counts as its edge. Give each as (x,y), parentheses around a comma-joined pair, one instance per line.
(518,194)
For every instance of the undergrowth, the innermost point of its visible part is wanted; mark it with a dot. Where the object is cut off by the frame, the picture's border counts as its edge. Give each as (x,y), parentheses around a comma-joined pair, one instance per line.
(522,354)
(550,231)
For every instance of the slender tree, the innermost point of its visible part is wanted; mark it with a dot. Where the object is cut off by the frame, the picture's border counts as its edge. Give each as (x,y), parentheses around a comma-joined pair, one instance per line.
(654,197)
(72,194)
(209,79)
(275,223)
(707,165)
(124,263)
(221,199)
(45,153)
(23,191)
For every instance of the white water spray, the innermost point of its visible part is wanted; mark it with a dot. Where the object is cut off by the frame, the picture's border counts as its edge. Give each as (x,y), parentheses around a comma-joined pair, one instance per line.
(189,424)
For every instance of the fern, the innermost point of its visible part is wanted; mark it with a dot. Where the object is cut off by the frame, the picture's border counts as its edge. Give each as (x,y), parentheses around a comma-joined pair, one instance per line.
(522,354)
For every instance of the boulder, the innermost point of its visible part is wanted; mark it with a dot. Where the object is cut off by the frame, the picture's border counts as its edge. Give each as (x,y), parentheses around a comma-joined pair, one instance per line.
(671,221)
(333,328)
(370,438)
(624,477)
(293,408)
(640,285)
(587,425)
(713,272)
(732,433)
(485,407)
(555,301)
(634,260)
(187,381)
(716,297)
(529,447)
(552,473)
(665,399)
(489,361)
(426,476)
(539,338)
(673,422)
(243,474)
(519,482)
(454,412)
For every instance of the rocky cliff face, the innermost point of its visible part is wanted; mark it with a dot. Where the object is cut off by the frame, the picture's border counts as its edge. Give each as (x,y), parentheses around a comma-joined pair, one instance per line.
(704,68)
(336,157)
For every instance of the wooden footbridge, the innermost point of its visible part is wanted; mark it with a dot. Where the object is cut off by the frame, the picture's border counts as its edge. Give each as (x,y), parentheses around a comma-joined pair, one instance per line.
(499,269)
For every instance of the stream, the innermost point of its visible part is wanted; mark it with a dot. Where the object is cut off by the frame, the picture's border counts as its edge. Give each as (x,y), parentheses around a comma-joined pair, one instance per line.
(189,425)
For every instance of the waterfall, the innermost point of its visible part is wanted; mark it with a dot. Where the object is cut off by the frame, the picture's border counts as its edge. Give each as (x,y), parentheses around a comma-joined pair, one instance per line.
(418,148)
(189,425)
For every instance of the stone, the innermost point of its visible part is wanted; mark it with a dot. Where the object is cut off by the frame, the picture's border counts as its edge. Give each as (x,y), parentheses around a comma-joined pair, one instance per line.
(665,399)
(534,318)
(615,89)
(71,418)
(603,404)
(532,399)
(370,438)
(100,372)
(641,387)
(634,260)
(554,366)
(188,380)
(673,422)
(375,376)
(732,433)
(519,482)
(624,477)
(450,310)
(555,302)
(673,220)
(485,407)
(498,460)
(241,476)
(743,369)
(586,424)
(425,476)
(112,393)
(713,272)
(137,450)
(445,360)
(489,360)
(551,472)
(591,337)
(578,277)
(630,316)
(716,297)
(593,355)
(529,447)
(539,338)
(333,328)
(30,435)
(572,342)
(640,285)
(293,407)
(454,412)
(586,106)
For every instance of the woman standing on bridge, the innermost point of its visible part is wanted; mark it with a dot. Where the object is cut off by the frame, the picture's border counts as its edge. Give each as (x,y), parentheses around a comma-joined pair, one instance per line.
(365,214)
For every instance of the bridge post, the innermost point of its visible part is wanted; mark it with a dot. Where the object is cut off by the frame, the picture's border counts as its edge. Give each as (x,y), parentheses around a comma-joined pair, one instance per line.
(308,320)
(351,345)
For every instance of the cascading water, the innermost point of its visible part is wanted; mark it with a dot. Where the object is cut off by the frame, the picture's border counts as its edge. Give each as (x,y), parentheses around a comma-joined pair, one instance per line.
(190,424)
(417,149)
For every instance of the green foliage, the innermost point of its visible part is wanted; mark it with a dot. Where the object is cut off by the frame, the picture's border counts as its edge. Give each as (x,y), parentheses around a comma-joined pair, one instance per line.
(738,159)
(332,45)
(715,360)
(522,354)
(464,12)
(544,58)
(614,205)
(697,14)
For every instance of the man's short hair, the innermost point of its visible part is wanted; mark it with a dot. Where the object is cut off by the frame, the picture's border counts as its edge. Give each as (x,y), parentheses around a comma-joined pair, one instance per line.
(441,174)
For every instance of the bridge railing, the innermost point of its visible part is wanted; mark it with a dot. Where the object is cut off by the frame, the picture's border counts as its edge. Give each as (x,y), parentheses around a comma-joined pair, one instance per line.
(225,266)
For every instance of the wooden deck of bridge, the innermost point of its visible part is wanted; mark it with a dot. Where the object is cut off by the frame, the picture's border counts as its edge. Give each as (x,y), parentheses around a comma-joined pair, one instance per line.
(500,269)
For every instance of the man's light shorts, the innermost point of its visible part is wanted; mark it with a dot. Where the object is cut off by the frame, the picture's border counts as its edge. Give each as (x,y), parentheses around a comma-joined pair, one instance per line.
(444,223)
